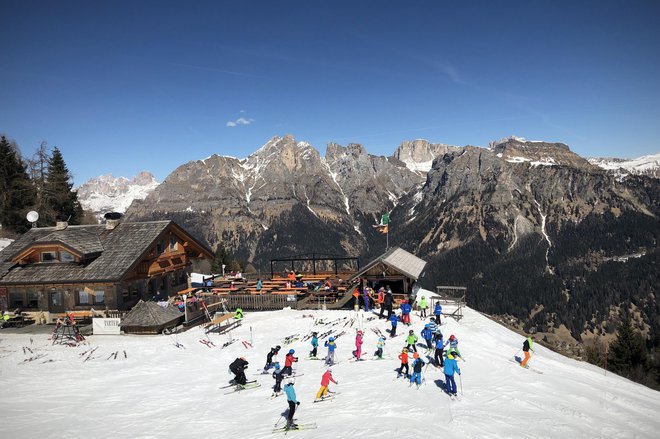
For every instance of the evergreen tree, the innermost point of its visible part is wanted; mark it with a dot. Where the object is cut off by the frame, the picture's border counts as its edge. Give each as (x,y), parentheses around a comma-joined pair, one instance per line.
(38,169)
(17,194)
(222,257)
(627,351)
(61,200)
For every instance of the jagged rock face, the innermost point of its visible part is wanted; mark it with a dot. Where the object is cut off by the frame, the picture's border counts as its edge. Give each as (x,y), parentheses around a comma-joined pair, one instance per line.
(418,155)
(648,165)
(517,150)
(249,203)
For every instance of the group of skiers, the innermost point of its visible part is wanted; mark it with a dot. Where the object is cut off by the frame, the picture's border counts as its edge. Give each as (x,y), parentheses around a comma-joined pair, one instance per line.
(445,355)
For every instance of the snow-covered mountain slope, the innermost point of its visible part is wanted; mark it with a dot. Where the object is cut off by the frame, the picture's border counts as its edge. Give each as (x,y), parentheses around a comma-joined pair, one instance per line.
(114,194)
(161,391)
(645,165)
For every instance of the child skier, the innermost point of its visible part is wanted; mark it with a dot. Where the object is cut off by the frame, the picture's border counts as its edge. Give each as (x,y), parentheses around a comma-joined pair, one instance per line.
(411,340)
(405,312)
(427,335)
(331,345)
(288,362)
(269,358)
(450,367)
(423,306)
(403,356)
(315,345)
(394,320)
(453,345)
(358,345)
(238,369)
(291,400)
(379,351)
(325,382)
(418,363)
(439,349)
(437,311)
(278,376)
(527,346)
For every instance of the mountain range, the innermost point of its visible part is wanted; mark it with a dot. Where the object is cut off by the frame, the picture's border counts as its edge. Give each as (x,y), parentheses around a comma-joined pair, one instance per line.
(543,238)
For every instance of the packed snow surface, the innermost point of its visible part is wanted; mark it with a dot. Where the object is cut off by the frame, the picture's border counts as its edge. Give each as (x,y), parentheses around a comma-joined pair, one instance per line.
(162,391)
(4,242)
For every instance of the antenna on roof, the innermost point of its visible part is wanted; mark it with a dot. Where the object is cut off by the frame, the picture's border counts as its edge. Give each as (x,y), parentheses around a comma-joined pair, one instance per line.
(33,216)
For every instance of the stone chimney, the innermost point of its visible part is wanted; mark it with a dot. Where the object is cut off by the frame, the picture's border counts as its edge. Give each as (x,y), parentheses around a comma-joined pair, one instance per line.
(110,224)
(61,225)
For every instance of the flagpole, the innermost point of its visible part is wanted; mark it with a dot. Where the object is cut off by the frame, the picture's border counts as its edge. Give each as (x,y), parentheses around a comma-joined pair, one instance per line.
(387,239)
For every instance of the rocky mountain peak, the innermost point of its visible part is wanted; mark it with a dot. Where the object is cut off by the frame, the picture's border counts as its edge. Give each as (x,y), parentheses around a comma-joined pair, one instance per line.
(107,193)
(538,153)
(418,155)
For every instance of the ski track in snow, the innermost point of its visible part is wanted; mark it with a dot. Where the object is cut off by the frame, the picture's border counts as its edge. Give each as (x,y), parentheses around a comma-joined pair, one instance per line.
(161,391)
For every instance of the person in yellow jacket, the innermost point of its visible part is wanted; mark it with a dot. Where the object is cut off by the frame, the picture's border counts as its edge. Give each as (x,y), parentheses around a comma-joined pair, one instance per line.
(423,306)
(238,314)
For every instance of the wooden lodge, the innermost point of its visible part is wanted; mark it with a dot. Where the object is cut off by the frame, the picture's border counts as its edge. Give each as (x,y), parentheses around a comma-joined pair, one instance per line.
(107,266)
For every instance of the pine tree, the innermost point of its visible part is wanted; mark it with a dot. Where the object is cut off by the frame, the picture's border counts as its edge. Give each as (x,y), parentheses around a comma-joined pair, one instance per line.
(38,170)
(61,200)
(17,194)
(628,351)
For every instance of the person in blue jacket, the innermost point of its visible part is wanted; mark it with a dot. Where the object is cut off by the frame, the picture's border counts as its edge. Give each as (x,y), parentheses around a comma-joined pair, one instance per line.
(439,350)
(405,312)
(315,344)
(394,320)
(451,367)
(437,312)
(427,335)
(331,345)
(293,403)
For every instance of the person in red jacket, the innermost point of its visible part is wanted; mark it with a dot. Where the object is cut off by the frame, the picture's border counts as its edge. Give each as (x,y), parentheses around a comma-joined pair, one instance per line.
(358,345)
(325,382)
(403,356)
(288,363)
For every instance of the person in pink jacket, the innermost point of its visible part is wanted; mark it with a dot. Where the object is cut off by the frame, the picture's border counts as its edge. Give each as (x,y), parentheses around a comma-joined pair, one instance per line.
(358,345)
(325,382)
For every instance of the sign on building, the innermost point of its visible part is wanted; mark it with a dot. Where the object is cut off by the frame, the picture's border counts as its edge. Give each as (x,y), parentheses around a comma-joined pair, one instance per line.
(106,326)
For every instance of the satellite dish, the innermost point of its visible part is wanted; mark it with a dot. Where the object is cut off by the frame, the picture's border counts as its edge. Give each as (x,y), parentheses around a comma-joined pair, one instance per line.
(32,216)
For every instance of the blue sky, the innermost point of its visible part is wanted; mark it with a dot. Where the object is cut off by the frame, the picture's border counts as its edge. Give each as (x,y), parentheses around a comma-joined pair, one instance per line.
(124,86)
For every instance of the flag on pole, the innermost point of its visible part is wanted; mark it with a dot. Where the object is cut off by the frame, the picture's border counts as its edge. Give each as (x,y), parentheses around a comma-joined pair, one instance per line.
(383,227)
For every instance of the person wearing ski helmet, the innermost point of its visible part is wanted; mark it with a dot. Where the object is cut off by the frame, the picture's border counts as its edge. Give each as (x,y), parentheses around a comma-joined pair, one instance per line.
(237,367)
(271,358)
(326,378)
(411,340)
(451,367)
(358,345)
(288,362)
(453,345)
(394,320)
(379,348)
(405,312)
(403,356)
(331,345)
(416,376)
(423,306)
(315,345)
(527,346)
(439,350)
(437,312)
(278,376)
(292,401)
(427,335)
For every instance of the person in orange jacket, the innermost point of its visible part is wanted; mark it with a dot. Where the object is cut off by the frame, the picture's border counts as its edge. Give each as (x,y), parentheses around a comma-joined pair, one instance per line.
(403,356)
(325,383)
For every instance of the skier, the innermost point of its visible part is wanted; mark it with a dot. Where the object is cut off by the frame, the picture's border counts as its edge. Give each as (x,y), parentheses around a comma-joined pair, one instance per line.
(405,312)
(418,363)
(394,320)
(238,314)
(411,340)
(269,358)
(388,302)
(365,296)
(453,345)
(437,311)
(439,348)
(331,345)
(325,382)
(358,345)
(238,369)
(423,306)
(403,356)
(278,376)
(450,367)
(427,335)
(293,403)
(527,346)
(288,362)
(381,302)
(379,346)
(315,344)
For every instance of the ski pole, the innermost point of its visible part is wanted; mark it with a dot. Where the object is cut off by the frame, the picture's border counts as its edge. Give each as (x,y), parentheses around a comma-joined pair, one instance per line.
(460,380)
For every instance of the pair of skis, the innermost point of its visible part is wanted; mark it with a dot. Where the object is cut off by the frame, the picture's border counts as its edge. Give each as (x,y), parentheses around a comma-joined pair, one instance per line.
(208,343)
(285,430)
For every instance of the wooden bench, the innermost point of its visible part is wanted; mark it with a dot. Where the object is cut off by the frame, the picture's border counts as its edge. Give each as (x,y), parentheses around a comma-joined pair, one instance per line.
(216,325)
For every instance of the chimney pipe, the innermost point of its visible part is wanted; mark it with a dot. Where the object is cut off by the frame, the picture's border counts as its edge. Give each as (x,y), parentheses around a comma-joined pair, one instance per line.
(61,225)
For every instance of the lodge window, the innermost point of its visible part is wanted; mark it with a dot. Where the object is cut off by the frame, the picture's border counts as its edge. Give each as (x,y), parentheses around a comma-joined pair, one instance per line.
(160,247)
(83,298)
(32,299)
(16,300)
(99,298)
(48,256)
(66,256)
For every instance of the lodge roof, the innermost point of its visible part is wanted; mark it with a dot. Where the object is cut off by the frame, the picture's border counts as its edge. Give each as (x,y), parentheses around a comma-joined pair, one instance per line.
(118,250)
(400,260)
(150,314)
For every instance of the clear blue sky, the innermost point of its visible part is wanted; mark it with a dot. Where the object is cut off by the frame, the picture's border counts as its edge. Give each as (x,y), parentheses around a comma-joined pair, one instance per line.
(125,86)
